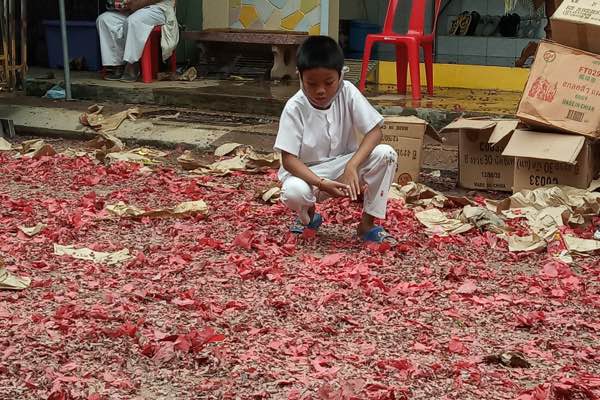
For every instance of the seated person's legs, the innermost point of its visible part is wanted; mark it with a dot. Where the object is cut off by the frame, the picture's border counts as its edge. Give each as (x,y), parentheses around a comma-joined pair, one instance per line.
(137,30)
(112,42)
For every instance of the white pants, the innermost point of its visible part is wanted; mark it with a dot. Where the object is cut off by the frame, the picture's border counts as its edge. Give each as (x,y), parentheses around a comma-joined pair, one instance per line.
(123,37)
(377,173)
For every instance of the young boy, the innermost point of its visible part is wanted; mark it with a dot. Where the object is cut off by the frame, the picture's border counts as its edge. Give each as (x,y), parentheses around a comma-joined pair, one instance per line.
(320,151)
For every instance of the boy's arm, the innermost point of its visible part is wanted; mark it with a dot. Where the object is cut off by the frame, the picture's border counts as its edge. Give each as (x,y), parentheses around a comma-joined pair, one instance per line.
(297,168)
(350,175)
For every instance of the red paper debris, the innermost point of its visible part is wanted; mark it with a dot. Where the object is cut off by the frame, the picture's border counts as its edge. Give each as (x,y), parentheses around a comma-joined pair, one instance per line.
(232,305)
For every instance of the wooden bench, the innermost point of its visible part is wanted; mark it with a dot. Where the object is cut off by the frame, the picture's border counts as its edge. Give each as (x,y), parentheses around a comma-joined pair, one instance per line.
(283,44)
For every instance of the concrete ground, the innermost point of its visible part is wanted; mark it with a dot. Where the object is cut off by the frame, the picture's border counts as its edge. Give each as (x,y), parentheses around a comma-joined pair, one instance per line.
(170,127)
(268,98)
(206,113)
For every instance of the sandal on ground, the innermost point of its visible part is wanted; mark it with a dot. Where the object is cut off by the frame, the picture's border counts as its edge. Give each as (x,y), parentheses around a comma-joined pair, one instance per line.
(314,224)
(378,235)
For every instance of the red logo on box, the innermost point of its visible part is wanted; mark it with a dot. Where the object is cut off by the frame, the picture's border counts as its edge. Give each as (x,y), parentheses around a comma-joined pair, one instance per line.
(549,56)
(543,90)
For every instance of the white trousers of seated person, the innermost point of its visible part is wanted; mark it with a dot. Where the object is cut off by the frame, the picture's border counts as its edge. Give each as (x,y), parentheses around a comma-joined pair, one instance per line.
(377,173)
(123,37)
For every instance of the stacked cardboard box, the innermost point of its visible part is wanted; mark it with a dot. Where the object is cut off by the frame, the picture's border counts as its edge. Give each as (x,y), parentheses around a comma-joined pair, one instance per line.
(557,144)
(576,23)
(563,91)
(481,164)
(561,104)
(406,136)
(544,158)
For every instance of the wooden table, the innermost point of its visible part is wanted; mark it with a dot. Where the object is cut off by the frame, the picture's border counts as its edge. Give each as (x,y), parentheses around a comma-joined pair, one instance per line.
(284,45)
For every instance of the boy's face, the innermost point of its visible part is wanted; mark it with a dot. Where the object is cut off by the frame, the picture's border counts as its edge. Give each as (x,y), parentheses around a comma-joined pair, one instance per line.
(321,84)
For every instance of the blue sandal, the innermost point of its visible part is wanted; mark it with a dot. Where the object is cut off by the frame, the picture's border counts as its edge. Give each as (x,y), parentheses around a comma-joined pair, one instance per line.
(378,235)
(314,224)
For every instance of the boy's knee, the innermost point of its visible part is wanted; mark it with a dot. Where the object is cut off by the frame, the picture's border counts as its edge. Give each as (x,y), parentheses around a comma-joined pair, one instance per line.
(385,152)
(295,189)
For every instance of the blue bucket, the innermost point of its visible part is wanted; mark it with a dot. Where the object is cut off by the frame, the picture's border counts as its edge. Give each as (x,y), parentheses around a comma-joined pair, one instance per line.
(83,42)
(358,35)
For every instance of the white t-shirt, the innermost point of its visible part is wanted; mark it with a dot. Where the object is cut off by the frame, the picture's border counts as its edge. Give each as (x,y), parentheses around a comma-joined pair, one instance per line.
(315,136)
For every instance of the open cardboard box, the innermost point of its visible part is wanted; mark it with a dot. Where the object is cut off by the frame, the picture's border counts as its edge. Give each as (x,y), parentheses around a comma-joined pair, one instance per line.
(563,91)
(481,142)
(406,135)
(543,158)
(576,23)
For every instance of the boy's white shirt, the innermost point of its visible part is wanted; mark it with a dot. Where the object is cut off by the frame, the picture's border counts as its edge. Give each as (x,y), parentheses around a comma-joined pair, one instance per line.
(316,136)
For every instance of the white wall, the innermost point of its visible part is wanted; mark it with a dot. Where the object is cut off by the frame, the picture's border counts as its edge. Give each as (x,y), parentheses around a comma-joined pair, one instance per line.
(374,11)
(495,50)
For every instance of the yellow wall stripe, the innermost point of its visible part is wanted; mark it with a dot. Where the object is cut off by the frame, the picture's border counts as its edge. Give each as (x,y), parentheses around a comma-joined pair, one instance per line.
(463,76)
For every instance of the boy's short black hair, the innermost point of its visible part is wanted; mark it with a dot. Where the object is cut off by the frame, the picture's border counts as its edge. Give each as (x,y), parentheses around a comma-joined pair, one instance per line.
(320,52)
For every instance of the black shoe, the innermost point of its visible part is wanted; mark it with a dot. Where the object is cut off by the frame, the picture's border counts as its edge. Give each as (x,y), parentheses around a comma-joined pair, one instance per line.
(113,73)
(131,73)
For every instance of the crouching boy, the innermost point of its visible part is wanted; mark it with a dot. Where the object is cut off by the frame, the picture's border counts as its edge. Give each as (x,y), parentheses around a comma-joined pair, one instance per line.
(321,154)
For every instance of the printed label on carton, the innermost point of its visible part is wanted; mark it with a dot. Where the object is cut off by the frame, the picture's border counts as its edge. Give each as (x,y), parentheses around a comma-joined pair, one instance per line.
(482,165)
(581,13)
(532,173)
(405,135)
(409,158)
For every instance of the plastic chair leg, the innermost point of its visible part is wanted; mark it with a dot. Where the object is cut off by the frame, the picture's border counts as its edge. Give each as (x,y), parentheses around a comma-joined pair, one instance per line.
(365,64)
(428,51)
(401,68)
(156,50)
(173,62)
(415,73)
(146,63)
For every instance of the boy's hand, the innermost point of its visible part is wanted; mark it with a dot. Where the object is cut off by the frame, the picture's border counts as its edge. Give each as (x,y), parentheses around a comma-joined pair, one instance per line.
(334,188)
(350,178)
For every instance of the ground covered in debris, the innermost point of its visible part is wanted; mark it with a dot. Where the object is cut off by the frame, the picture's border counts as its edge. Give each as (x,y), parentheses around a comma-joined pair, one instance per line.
(228,305)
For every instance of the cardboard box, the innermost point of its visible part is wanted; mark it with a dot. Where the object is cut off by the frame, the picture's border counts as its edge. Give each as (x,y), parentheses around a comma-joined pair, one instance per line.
(481,164)
(576,23)
(543,158)
(406,135)
(563,91)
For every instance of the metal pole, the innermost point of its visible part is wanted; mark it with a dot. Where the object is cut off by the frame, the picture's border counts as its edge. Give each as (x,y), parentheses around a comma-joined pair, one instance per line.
(5,48)
(65,46)
(12,33)
(23,39)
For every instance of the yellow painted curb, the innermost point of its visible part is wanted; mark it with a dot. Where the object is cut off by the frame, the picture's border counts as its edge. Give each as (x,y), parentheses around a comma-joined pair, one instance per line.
(463,76)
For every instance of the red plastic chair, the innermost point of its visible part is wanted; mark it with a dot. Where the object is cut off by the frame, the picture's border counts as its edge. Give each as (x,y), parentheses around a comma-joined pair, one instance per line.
(151,56)
(407,47)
